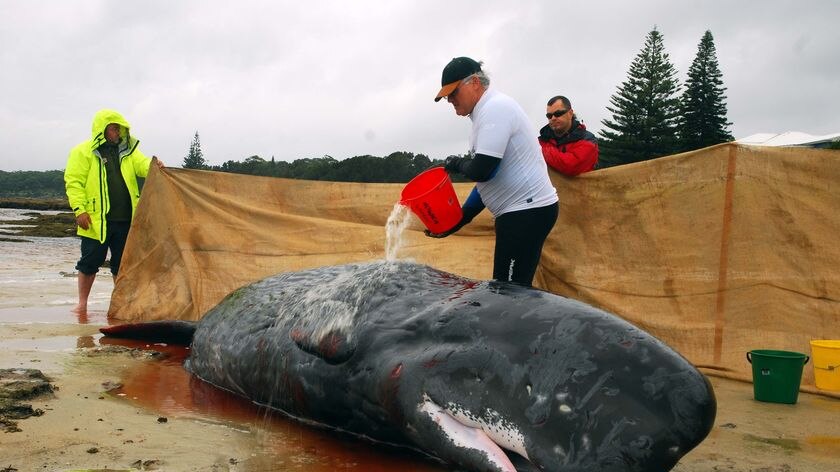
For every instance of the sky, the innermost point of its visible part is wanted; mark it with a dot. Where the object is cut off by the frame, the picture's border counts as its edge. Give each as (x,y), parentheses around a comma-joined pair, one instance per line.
(292,79)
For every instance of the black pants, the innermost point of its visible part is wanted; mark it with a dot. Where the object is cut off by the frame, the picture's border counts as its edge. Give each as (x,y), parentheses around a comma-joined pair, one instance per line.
(519,241)
(93,253)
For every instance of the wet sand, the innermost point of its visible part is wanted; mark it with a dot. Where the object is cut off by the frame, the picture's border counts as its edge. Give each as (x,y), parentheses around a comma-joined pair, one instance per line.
(117,407)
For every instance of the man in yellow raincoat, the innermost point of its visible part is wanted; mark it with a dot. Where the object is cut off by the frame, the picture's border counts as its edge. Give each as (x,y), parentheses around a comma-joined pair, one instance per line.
(101,183)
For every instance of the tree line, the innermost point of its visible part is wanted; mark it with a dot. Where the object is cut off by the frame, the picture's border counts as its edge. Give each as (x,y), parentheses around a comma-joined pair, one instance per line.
(396,167)
(32,184)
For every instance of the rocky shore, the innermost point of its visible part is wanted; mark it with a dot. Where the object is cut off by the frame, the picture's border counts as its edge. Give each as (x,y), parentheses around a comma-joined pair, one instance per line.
(59,204)
(36,223)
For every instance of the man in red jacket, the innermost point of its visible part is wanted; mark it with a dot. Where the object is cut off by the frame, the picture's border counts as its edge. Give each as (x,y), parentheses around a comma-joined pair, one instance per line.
(566,145)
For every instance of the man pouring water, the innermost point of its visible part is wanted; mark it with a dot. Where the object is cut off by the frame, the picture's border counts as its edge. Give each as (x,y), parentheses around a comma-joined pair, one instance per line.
(507,165)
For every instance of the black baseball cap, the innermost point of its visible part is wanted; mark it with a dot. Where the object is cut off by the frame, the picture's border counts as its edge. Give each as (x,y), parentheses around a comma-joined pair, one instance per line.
(457,70)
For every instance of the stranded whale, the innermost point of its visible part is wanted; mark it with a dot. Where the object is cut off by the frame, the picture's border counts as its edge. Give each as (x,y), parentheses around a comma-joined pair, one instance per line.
(479,374)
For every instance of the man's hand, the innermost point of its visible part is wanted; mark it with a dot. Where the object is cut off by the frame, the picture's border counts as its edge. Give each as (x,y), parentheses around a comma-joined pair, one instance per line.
(444,234)
(452,164)
(438,235)
(83,220)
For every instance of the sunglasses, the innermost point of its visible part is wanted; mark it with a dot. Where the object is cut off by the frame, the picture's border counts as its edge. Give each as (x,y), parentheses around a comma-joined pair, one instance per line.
(466,80)
(557,114)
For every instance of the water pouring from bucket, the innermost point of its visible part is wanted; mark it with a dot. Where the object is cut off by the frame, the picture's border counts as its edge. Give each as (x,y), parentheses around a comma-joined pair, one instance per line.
(432,198)
(395,226)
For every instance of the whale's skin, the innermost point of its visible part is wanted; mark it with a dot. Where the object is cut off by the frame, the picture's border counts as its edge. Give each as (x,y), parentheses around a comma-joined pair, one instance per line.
(399,352)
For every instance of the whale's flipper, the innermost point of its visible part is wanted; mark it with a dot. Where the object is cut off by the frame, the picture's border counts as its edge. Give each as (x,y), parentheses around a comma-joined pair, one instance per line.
(169,331)
(333,346)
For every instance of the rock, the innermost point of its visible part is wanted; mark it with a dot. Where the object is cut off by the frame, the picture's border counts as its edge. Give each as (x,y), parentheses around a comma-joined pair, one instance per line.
(16,386)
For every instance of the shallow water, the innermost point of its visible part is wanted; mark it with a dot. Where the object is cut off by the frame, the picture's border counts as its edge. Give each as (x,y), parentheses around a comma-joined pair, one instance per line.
(41,271)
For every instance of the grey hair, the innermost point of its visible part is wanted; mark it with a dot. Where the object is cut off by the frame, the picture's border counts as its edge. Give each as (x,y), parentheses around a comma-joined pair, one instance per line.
(482,78)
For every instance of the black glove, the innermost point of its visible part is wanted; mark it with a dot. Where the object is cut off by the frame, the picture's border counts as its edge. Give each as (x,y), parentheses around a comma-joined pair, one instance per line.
(452,164)
(444,234)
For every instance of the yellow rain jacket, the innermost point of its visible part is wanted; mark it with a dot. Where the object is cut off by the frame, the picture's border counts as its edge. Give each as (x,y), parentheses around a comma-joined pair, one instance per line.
(85,179)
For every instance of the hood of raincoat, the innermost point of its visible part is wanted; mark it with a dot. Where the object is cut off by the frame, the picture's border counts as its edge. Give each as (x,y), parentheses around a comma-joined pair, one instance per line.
(103,118)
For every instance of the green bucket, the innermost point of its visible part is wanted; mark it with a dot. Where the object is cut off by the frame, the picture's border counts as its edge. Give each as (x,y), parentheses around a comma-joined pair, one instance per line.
(776,374)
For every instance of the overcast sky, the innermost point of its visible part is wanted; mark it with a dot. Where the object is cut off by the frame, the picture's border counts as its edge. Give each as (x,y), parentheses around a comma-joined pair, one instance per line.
(342,78)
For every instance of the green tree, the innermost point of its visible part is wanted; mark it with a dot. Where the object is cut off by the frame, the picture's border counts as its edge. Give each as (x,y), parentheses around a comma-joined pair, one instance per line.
(644,110)
(32,184)
(397,167)
(195,158)
(703,103)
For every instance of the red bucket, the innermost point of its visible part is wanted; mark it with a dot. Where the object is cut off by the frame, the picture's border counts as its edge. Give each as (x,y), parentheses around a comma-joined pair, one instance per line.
(432,198)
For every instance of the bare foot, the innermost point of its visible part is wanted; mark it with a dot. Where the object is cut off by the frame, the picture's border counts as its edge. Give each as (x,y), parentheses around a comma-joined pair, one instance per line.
(80,309)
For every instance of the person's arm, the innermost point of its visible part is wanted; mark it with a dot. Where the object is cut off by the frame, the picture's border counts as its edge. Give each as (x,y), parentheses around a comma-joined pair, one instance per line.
(471,208)
(140,162)
(572,158)
(478,169)
(75,178)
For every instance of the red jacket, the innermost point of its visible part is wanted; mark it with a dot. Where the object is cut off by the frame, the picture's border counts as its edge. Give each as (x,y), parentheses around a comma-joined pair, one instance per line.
(572,154)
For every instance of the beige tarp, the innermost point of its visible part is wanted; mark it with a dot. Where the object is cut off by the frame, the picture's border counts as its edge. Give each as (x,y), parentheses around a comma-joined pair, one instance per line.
(716,252)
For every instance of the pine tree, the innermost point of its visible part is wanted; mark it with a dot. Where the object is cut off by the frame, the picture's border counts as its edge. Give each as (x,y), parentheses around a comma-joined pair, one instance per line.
(702,105)
(645,109)
(195,158)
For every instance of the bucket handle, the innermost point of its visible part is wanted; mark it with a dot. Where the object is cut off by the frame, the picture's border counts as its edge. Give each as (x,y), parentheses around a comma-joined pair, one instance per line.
(807,358)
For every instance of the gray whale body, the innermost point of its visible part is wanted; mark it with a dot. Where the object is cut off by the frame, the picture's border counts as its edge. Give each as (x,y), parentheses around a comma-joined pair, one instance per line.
(488,376)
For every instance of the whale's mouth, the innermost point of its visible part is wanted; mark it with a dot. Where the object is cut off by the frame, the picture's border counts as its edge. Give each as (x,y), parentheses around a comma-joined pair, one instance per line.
(493,437)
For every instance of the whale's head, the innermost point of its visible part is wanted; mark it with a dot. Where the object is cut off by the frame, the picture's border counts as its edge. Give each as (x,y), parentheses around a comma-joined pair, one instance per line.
(511,378)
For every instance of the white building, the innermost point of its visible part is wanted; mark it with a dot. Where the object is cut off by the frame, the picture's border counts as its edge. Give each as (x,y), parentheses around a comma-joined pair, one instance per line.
(790,138)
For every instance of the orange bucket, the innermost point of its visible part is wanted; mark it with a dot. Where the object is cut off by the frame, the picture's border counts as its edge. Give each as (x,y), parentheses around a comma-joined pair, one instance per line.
(432,198)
